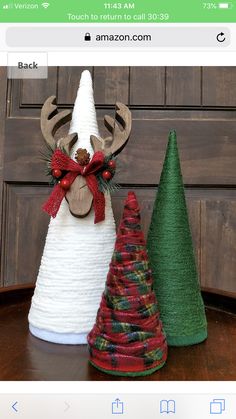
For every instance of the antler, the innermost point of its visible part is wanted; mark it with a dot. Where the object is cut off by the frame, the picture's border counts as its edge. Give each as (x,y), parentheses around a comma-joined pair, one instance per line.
(115,143)
(52,120)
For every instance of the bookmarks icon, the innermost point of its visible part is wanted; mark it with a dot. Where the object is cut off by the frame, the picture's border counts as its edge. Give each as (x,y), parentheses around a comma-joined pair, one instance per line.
(167,406)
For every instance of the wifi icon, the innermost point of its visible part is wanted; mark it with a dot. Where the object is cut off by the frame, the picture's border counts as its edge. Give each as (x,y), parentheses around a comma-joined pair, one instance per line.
(45,5)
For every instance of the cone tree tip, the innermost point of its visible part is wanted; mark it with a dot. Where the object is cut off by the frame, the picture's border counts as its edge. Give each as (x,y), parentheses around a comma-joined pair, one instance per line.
(131,201)
(172,135)
(84,120)
(86,79)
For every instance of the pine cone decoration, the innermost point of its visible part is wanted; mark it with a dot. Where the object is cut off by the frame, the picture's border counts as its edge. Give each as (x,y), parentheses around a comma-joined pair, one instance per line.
(82,156)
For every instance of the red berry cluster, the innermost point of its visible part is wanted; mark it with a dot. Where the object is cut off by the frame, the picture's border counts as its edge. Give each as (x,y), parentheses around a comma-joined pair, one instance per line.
(64,183)
(107,174)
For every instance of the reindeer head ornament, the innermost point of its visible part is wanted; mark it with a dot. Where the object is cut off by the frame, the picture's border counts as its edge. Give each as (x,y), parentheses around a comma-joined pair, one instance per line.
(79,195)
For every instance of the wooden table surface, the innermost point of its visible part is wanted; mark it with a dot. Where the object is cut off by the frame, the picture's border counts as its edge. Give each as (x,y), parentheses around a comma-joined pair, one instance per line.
(23,357)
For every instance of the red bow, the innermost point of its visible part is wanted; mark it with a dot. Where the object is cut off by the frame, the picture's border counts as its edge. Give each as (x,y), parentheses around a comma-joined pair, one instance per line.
(63,162)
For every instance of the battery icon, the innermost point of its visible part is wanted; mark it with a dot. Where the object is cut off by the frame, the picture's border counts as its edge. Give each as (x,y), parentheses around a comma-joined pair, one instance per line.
(225,5)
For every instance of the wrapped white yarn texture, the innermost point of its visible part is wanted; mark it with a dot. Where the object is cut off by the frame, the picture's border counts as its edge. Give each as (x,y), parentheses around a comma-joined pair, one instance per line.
(77,252)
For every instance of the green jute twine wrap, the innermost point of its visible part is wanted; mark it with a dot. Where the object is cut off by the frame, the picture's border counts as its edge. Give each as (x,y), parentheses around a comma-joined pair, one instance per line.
(172,258)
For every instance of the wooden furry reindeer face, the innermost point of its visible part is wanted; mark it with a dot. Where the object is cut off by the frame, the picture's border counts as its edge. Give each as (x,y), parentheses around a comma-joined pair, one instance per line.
(79,195)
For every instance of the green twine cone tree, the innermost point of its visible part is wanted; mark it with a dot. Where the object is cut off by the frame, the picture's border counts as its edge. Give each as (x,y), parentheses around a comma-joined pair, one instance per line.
(172,258)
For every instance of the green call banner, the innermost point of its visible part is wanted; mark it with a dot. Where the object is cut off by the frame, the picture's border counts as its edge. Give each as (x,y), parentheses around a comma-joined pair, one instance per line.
(99,11)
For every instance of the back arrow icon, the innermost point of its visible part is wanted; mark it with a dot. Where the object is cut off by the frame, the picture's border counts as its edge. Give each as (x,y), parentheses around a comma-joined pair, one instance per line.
(221,37)
(14,406)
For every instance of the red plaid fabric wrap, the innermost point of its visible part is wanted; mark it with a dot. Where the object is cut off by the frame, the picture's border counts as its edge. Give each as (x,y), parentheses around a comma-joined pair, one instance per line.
(63,162)
(128,335)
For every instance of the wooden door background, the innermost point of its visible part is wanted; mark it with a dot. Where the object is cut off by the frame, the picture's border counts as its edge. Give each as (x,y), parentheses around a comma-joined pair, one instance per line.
(200,103)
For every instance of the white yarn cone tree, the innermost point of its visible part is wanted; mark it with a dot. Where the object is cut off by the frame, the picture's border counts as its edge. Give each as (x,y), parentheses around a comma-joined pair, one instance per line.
(77,251)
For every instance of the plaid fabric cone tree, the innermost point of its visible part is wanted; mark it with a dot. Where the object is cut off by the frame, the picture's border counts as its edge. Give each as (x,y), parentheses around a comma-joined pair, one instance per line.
(172,258)
(127,338)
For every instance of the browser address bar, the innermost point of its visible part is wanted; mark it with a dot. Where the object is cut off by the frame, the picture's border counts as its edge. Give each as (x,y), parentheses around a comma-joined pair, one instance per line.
(166,37)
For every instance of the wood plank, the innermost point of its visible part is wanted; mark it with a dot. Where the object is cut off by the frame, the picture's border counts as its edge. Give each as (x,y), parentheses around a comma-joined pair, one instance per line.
(68,83)
(26,97)
(3,102)
(219,244)
(183,86)
(111,84)
(23,153)
(204,162)
(35,92)
(15,109)
(25,232)
(219,86)
(147,86)
(194,211)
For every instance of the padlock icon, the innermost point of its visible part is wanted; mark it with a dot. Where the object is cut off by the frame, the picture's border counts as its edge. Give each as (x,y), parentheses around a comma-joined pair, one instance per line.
(87,36)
